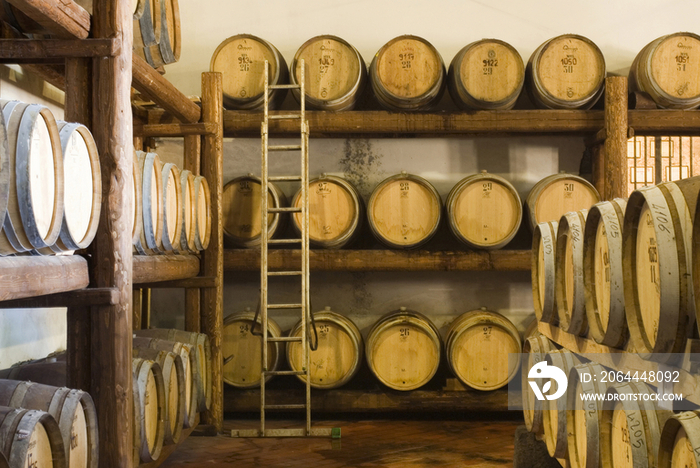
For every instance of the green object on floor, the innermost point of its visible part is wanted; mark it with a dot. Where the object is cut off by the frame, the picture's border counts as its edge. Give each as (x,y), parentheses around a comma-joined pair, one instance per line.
(335,433)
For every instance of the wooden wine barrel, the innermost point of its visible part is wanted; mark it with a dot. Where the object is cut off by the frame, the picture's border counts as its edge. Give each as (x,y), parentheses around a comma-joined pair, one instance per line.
(558,194)
(151,408)
(241,60)
(571,300)
(151,238)
(3,461)
(201,348)
(174,389)
(338,355)
(148,25)
(484,211)
(657,267)
(544,254)
(486,75)
(583,417)
(602,272)
(136,202)
(242,350)
(679,443)
(241,209)
(536,349)
(336,74)
(566,72)
(532,330)
(172,208)
(668,70)
(35,203)
(190,376)
(630,428)
(554,414)
(478,347)
(188,224)
(336,211)
(31,438)
(167,50)
(408,74)
(73,410)
(404,211)
(403,350)
(202,204)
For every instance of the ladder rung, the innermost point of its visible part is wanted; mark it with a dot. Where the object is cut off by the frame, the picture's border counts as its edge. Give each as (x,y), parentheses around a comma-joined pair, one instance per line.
(284,306)
(284,116)
(283,407)
(284,339)
(284,148)
(285,178)
(289,209)
(284,273)
(284,86)
(283,241)
(285,372)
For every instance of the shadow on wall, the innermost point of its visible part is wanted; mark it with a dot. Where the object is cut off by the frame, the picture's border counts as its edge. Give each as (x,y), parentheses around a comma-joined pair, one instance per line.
(30,334)
(17,84)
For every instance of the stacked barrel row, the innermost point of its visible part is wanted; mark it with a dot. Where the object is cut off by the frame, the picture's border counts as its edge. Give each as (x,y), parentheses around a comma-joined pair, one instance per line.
(50,182)
(171,208)
(408,73)
(171,385)
(403,349)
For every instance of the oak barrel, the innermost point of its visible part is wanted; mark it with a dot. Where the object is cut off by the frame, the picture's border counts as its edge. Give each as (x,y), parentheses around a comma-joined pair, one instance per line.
(408,74)
(336,74)
(147,24)
(150,406)
(403,349)
(558,194)
(151,238)
(242,350)
(571,300)
(479,346)
(486,75)
(679,443)
(668,70)
(583,416)
(242,211)
(602,272)
(35,203)
(336,211)
(484,211)
(31,438)
(554,414)
(172,208)
(566,72)
(241,60)
(338,355)
(136,202)
(536,349)
(657,267)
(202,204)
(404,211)
(544,254)
(3,461)
(167,49)
(188,224)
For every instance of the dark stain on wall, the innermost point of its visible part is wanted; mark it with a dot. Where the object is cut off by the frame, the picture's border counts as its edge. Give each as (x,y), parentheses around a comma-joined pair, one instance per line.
(362,298)
(361,164)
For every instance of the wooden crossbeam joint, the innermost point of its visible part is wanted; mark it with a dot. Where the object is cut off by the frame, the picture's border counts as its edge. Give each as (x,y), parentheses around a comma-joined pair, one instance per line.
(55,50)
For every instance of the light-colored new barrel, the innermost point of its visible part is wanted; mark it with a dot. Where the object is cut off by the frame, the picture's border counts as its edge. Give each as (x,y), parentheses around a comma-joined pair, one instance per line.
(188,223)
(554,414)
(679,443)
(150,406)
(73,410)
(151,238)
(336,211)
(136,202)
(484,211)
(241,60)
(566,72)
(544,269)
(242,349)
(167,50)
(404,211)
(479,346)
(558,194)
(668,70)
(174,389)
(403,350)
(338,355)
(602,272)
(35,203)
(202,204)
(172,208)
(408,74)
(571,299)
(242,212)
(657,260)
(336,74)
(486,75)
(536,349)
(31,439)
(583,416)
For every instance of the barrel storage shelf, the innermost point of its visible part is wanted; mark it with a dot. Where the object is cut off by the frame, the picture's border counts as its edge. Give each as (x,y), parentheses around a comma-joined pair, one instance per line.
(382,260)
(154,269)
(22,277)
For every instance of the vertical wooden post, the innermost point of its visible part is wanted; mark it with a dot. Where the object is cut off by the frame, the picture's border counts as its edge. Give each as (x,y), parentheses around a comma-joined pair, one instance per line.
(138,143)
(193,297)
(597,151)
(616,130)
(146,309)
(112,327)
(137,300)
(213,258)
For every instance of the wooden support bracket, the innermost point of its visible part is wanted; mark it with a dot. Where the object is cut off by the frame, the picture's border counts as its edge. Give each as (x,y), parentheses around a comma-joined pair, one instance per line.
(205,282)
(63,18)
(175,129)
(55,50)
(79,298)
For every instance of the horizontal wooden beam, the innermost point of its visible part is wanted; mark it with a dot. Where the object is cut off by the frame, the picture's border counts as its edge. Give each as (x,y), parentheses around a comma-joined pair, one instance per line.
(382,260)
(196,282)
(79,298)
(37,50)
(22,277)
(151,84)
(63,18)
(157,268)
(175,129)
(665,122)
